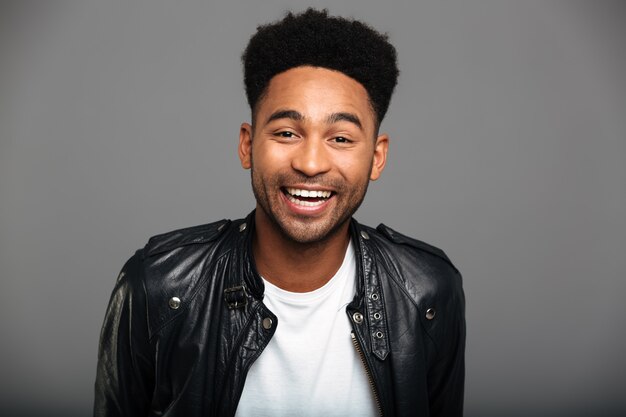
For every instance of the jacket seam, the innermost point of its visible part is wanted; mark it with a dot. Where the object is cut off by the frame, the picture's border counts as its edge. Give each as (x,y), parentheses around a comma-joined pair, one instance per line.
(180,245)
(213,235)
(419,245)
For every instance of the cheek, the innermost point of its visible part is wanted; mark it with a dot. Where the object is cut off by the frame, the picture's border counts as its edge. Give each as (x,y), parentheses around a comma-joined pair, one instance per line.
(268,156)
(355,166)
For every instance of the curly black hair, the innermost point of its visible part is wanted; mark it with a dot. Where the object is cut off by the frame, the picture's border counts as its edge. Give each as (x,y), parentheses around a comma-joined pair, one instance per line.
(313,38)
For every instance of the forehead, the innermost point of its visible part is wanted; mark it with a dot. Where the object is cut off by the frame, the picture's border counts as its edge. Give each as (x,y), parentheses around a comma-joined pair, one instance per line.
(316,92)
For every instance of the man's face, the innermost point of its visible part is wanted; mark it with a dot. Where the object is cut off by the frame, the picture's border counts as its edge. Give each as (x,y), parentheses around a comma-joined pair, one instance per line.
(312,151)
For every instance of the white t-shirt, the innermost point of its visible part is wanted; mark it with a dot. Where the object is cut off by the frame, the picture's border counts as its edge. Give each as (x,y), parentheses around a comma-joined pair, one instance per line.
(310,366)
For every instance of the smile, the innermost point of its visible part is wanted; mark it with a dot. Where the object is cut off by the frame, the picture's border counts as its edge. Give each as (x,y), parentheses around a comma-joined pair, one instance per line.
(307,198)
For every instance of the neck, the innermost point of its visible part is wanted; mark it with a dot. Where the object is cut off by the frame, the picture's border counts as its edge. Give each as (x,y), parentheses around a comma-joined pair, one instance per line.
(295,266)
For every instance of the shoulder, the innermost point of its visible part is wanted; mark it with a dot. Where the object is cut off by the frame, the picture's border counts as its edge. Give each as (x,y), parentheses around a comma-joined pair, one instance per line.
(417,247)
(423,271)
(405,252)
(196,235)
(171,267)
(423,274)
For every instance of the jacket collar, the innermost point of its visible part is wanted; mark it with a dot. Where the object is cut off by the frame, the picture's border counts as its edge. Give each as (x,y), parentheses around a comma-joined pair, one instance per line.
(252,279)
(368,297)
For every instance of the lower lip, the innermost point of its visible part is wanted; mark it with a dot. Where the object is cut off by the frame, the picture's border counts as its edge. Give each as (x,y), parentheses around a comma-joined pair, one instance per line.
(307,210)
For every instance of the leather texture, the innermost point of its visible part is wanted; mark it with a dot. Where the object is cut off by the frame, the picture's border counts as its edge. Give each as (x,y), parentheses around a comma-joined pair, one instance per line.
(162,358)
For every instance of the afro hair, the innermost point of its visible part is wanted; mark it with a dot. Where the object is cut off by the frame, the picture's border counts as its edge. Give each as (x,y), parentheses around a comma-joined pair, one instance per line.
(312,38)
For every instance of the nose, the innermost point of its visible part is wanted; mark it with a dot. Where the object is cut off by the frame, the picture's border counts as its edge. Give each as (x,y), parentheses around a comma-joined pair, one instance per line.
(311,158)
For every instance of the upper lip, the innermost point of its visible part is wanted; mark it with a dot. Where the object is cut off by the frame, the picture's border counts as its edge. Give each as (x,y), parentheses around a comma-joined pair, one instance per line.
(307,187)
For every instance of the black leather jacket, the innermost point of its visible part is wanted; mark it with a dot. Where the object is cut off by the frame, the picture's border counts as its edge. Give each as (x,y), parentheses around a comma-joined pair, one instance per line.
(186,320)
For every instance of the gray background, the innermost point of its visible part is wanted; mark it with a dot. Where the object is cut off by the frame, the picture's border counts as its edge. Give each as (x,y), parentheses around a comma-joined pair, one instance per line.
(119,120)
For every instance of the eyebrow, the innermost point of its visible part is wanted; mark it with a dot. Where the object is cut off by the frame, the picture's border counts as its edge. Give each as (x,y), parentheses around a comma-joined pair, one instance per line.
(285,114)
(333,118)
(347,117)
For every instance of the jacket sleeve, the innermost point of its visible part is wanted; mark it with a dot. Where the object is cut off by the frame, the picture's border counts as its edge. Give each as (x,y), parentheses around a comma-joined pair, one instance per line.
(447,377)
(124,377)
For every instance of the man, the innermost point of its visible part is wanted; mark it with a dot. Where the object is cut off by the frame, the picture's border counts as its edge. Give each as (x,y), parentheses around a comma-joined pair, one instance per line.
(296,309)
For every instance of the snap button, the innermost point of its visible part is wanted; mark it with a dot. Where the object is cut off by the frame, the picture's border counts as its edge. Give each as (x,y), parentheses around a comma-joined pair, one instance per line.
(430,313)
(375,296)
(364,235)
(267,323)
(242,227)
(378,316)
(357,317)
(174,303)
(378,335)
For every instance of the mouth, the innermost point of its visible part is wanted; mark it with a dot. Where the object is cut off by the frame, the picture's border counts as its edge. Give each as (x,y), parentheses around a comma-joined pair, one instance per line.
(307,198)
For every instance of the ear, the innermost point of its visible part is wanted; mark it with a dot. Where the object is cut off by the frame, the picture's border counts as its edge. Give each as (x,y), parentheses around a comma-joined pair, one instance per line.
(380,156)
(245,145)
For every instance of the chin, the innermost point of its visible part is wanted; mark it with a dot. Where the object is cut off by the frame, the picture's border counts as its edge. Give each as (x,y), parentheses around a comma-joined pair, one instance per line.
(309,233)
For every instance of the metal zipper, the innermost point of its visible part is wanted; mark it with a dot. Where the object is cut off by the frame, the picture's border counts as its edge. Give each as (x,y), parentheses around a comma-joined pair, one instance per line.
(368,372)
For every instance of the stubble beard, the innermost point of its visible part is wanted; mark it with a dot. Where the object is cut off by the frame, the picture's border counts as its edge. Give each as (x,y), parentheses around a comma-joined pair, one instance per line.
(303,230)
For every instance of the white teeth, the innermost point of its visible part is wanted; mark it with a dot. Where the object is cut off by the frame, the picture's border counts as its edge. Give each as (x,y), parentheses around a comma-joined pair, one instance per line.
(308,193)
(305,203)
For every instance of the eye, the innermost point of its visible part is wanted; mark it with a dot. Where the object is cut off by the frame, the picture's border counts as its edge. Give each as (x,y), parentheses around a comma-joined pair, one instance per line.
(341,139)
(285,134)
